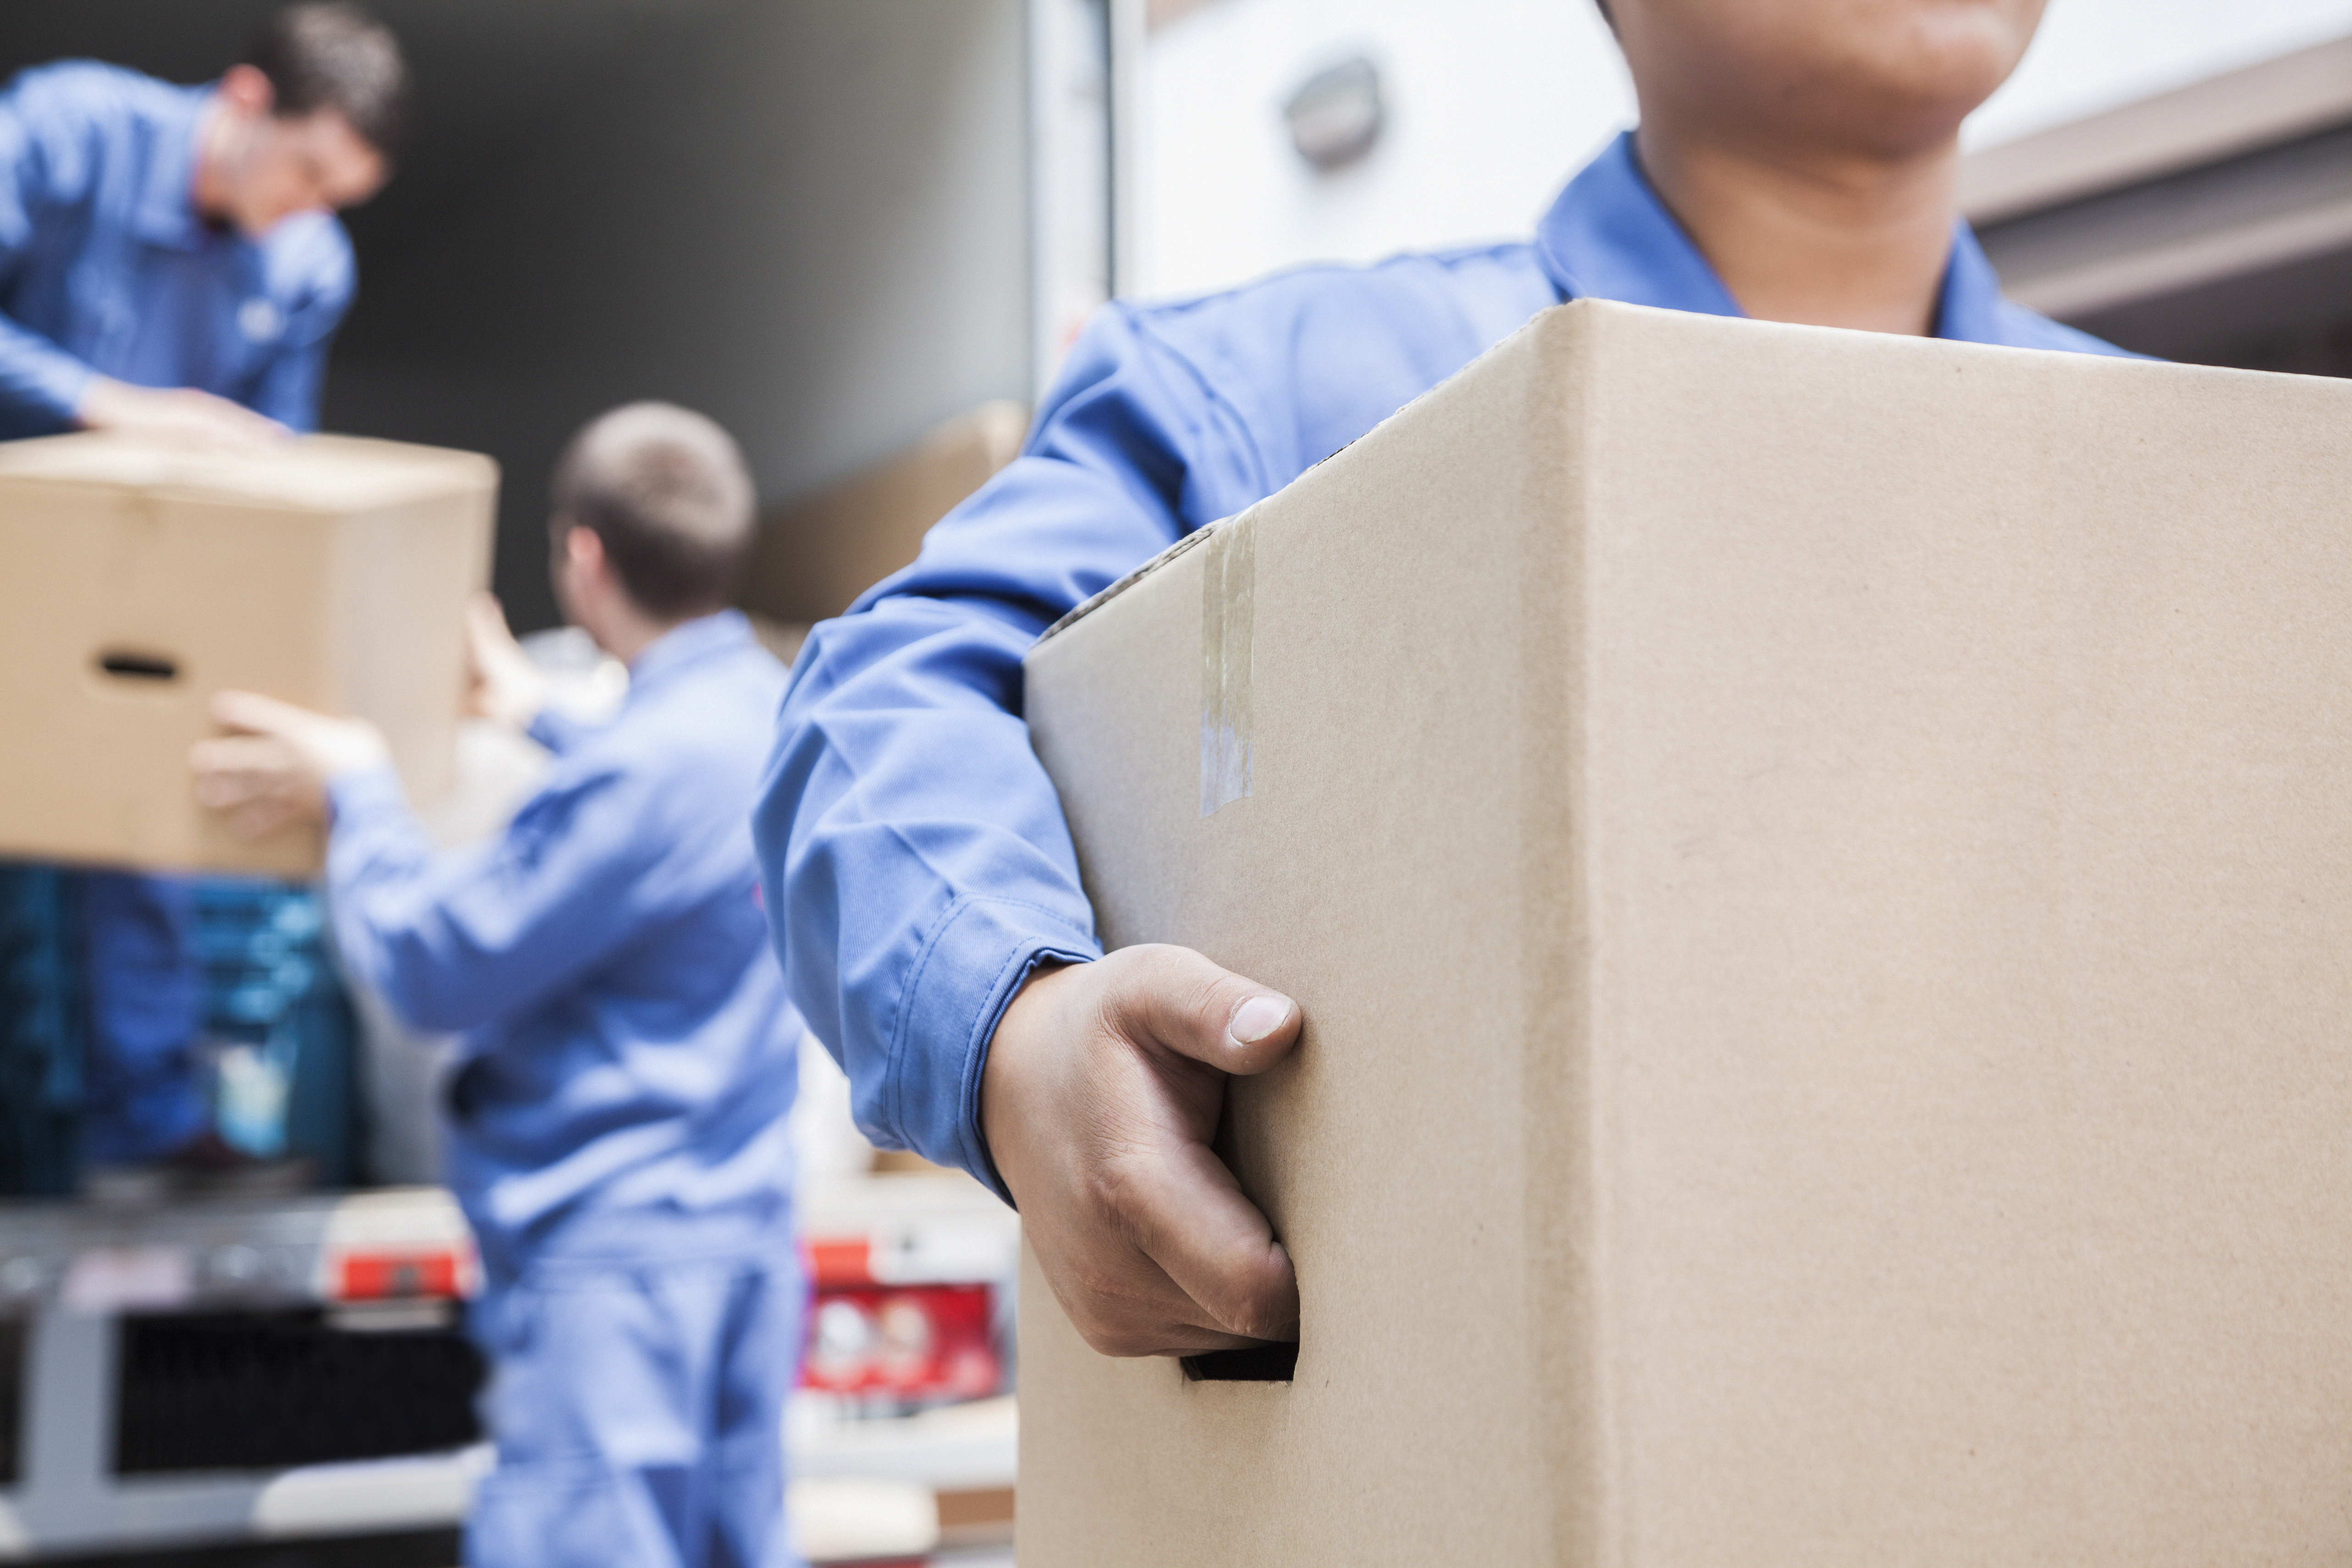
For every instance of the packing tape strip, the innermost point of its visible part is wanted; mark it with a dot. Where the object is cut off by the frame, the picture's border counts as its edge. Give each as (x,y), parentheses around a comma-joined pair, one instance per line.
(1228,595)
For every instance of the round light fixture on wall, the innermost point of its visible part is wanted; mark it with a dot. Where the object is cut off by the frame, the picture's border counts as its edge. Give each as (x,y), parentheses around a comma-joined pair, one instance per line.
(1335,116)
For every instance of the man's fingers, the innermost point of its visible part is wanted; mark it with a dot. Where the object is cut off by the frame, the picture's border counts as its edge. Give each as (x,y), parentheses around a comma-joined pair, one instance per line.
(1101,1096)
(260,818)
(1187,1213)
(485,630)
(1177,999)
(486,621)
(254,714)
(239,424)
(1122,1302)
(1148,1315)
(1179,1201)
(240,768)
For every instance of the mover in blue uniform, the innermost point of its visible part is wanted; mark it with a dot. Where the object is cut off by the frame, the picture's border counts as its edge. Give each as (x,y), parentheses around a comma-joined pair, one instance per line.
(617,1116)
(1795,162)
(170,265)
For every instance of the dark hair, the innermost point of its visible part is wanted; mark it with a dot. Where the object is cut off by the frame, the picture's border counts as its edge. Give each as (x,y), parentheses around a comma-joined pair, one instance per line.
(666,490)
(335,56)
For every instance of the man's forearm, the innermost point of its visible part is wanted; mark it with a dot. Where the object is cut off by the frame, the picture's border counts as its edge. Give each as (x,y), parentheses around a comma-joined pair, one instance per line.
(904,943)
(913,850)
(375,846)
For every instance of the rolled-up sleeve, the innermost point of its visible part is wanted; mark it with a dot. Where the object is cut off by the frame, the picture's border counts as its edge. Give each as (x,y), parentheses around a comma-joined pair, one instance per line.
(916,862)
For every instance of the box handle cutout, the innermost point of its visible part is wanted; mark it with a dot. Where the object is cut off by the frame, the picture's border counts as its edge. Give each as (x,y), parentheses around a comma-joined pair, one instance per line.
(124,664)
(1251,1364)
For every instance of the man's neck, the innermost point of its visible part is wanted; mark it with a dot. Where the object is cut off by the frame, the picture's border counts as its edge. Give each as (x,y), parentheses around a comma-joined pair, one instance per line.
(1857,241)
(627,635)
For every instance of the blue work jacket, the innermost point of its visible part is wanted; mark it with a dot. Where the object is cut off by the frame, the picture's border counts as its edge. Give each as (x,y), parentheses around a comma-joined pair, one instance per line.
(627,1048)
(107,267)
(909,841)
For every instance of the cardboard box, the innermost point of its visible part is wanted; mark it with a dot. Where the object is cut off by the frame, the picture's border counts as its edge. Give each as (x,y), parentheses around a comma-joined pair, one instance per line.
(816,557)
(136,581)
(1819,869)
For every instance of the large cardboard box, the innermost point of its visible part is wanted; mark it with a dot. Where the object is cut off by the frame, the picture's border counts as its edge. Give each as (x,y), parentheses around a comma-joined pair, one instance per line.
(137,580)
(1819,870)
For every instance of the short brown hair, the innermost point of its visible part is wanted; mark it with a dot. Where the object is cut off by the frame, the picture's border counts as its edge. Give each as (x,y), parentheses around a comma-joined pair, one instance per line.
(666,491)
(335,56)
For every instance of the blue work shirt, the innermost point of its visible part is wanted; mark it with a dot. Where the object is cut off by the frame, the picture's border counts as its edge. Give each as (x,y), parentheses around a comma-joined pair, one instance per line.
(627,1048)
(107,267)
(908,833)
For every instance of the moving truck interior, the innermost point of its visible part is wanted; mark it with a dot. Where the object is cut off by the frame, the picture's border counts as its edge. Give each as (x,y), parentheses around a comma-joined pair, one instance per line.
(832,227)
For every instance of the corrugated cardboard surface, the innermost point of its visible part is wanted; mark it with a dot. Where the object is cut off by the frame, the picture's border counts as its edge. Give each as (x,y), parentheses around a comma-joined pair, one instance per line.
(333,573)
(1816,868)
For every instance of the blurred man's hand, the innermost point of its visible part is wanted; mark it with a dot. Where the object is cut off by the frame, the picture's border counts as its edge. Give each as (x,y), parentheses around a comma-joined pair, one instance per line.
(506,685)
(275,767)
(1103,1089)
(181,415)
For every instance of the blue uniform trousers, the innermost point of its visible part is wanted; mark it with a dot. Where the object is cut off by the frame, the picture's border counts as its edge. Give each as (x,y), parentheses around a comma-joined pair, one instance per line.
(636,1398)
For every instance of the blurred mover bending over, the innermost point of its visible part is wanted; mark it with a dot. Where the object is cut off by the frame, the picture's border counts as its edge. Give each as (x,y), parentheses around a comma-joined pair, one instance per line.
(617,1118)
(1795,162)
(170,266)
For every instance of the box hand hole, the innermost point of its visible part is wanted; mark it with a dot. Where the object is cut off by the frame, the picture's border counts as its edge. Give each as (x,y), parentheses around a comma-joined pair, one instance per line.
(126,664)
(1251,1364)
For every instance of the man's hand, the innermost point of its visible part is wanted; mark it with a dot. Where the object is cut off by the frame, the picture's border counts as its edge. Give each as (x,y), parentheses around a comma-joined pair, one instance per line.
(181,415)
(506,685)
(1103,1089)
(275,766)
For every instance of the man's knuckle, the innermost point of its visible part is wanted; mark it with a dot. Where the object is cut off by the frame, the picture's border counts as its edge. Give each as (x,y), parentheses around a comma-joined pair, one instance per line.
(1118,1195)
(1235,1313)
(1110,1281)
(1255,1306)
(1116,1339)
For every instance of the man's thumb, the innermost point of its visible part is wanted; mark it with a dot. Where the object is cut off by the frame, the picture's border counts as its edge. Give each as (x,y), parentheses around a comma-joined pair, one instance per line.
(249,713)
(1190,1005)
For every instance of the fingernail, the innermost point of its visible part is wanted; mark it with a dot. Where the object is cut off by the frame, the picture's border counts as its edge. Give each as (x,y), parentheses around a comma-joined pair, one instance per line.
(1256,1018)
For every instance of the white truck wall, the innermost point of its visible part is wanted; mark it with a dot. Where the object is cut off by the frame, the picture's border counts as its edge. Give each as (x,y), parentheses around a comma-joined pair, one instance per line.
(1494,103)
(1490,104)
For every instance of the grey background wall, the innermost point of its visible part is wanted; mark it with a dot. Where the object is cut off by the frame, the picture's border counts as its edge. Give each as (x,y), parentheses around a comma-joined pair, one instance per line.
(807,218)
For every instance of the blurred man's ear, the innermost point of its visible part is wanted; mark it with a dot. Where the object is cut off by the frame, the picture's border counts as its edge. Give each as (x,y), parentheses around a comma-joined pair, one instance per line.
(249,90)
(582,571)
(584,549)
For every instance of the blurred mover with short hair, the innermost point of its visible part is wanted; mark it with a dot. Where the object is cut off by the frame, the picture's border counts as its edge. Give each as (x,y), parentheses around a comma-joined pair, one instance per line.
(617,1115)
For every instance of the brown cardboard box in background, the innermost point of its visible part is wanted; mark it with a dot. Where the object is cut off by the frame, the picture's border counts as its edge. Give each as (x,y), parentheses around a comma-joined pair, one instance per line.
(817,555)
(1818,868)
(136,581)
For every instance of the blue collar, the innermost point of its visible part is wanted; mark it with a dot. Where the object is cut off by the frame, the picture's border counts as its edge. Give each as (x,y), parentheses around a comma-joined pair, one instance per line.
(689,643)
(165,212)
(1609,237)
